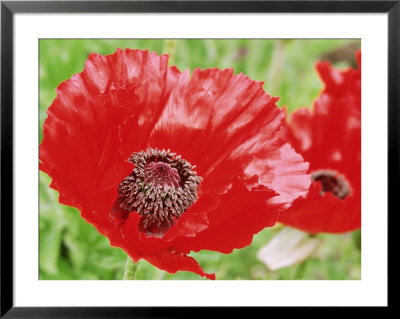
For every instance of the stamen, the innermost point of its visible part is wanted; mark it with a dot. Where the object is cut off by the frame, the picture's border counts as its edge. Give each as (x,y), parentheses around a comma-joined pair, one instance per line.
(161,188)
(331,181)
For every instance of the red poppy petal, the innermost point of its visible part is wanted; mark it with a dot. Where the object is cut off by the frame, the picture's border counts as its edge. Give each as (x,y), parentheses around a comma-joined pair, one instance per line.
(213,115)
(172,261)
(300,131)
(241,214)
(285,173)
(331,77)
(195,219)
(328,213)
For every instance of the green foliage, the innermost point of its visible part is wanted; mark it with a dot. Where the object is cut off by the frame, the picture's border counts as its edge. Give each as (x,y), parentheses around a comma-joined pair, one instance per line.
(70,248)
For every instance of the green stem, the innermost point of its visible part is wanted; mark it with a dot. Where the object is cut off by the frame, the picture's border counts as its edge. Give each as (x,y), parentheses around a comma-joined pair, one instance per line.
(131,269)
(299,272)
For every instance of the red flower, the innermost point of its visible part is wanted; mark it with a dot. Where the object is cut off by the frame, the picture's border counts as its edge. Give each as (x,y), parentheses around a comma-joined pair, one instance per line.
(330,139)
(108,143)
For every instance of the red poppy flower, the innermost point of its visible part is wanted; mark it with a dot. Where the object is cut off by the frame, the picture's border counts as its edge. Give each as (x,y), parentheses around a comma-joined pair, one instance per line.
(329,138)
(161,164)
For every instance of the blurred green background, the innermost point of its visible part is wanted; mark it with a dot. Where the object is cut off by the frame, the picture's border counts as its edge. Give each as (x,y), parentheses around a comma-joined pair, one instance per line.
(70,248)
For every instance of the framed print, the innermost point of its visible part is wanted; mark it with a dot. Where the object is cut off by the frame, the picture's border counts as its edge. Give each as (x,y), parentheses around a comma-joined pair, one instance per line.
(164,155)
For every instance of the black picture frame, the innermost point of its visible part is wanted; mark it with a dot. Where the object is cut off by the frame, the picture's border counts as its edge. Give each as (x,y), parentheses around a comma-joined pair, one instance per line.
(9,8)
